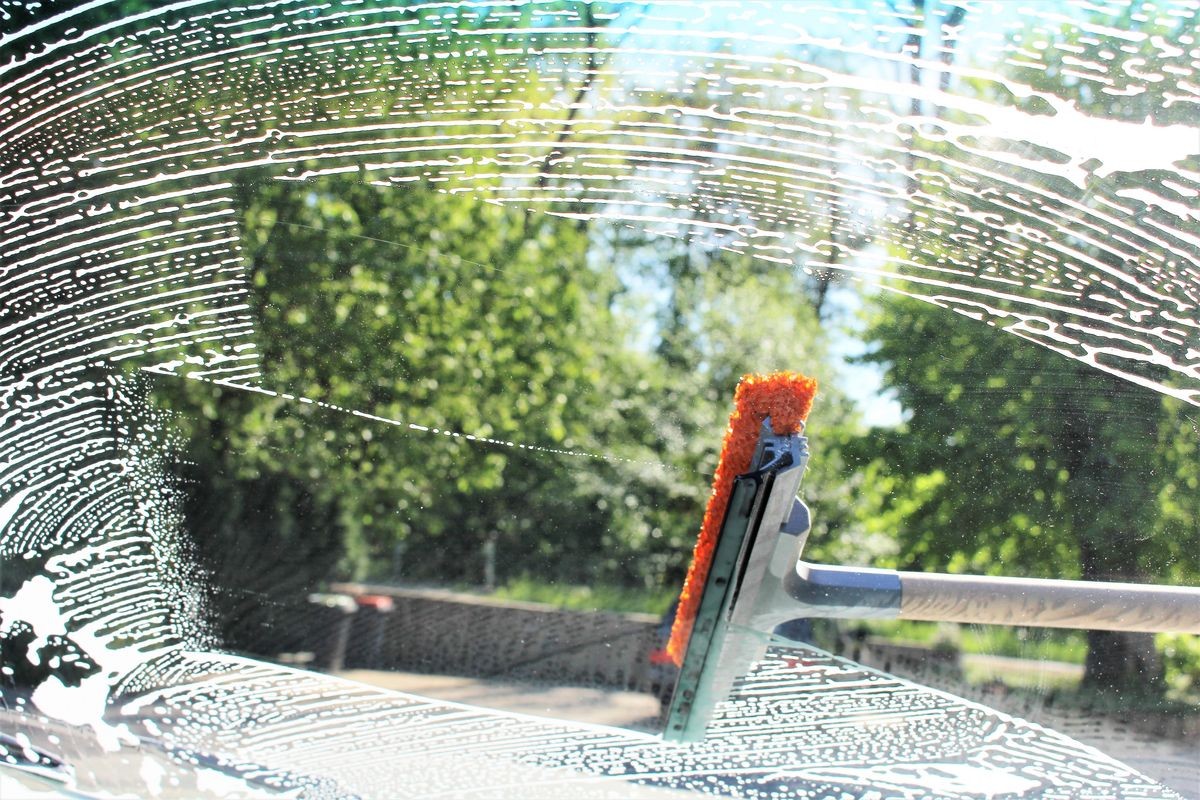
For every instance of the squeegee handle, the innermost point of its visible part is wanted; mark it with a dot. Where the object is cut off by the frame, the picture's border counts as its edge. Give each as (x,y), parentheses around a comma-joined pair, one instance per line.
(829,591)
(1083,605)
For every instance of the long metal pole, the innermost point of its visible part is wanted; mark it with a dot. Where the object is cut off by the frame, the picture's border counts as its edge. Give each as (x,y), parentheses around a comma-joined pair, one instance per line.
(823,591)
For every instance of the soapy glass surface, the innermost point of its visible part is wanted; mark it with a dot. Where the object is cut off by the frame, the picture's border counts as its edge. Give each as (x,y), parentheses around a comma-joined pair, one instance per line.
(445,303)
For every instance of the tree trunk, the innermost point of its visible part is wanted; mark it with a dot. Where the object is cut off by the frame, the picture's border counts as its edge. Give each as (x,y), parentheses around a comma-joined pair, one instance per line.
(1121,662)
(1118,661)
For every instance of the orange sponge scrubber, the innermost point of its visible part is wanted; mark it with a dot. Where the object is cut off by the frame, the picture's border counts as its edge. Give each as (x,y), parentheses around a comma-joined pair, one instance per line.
(785,397)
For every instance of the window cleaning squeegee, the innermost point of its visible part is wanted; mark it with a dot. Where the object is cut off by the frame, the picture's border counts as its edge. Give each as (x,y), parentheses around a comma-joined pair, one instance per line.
(747,576)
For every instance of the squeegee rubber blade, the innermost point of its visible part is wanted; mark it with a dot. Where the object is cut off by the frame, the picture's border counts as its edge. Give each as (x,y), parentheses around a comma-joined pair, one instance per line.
(687,717)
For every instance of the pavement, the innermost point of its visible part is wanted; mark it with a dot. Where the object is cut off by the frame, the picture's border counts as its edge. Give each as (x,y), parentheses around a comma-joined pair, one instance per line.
(579,704)
(1173,763)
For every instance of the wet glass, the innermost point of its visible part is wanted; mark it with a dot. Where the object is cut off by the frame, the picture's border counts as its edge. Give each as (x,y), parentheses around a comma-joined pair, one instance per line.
(364,369)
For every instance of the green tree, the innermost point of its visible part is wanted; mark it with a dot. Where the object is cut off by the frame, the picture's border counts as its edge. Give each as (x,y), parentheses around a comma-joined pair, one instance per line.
(1018,461)
(712,316)
(434,308)
(1016,458)
(456,315)
(412,306)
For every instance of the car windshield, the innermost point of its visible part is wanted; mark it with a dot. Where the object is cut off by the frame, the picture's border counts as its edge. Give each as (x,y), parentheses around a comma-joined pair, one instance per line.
(365,368)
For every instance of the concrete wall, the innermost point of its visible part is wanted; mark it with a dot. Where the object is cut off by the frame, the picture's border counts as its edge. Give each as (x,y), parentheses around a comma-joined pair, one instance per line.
(436,631)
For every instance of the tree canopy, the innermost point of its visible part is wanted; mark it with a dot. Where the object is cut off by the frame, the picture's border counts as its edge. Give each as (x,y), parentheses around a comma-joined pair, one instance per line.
(1016,461)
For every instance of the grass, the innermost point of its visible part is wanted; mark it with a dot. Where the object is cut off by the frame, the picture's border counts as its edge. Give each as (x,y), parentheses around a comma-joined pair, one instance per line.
(996,640)
(976,670)
(1048,652)
(588,598)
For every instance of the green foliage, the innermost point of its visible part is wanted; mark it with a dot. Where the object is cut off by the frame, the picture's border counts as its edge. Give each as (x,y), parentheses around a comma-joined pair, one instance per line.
(1181,657)
(1017,461)
(410,306)
(1125,95)
(442,312)
(1035,644)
